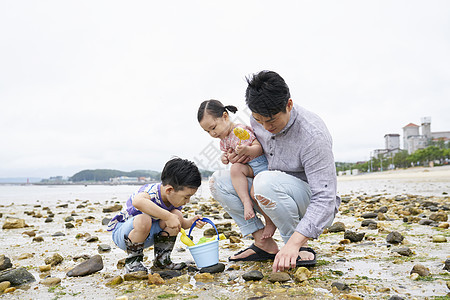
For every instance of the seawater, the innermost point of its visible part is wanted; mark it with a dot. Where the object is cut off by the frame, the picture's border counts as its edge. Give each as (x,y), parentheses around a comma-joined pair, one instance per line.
(53,194)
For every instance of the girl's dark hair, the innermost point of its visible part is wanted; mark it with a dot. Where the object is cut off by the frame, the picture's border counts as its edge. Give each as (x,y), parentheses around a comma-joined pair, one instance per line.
(181,173)
(267,93)
(215,108)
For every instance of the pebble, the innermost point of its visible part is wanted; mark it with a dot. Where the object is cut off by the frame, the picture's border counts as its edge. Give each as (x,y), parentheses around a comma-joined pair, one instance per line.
(17,276)
(4,285)
(204,277)
(155,279)
(337,227)
(447,264)
(354,236)
(92,239)
(253,275)
(90,266)
(54,260)
(279,277)
(439,239)
(102,248)
(368,222)
(217,268)
(302,274)
(133,276)
(5,262)
(69,225)
(394,237)
(51,281)
(369,215)
(13,223)
(168,274)
(115,281)
(45,268)
(38,239)
(405,251)
(30,233)
(421,270)
(340,286)
(439,217)
(25,256)
(116,207)
(395,297)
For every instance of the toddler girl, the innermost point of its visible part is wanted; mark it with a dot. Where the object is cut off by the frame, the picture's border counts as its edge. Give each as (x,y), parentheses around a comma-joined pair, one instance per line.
(214,119)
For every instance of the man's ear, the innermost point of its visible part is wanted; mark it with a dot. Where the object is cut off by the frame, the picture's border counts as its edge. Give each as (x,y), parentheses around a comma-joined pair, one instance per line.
(289,105)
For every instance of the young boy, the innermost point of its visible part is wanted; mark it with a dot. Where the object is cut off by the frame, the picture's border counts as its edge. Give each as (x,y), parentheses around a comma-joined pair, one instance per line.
(153,216)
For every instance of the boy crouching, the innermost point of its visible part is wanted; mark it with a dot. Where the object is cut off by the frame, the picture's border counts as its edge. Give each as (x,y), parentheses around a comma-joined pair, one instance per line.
(153,216)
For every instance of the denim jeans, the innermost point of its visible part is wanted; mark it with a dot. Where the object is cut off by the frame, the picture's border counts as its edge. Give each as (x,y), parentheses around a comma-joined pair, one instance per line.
(283,197)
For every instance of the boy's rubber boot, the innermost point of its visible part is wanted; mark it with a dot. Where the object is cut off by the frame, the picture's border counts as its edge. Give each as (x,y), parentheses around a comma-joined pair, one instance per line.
(163,247)
(133,262)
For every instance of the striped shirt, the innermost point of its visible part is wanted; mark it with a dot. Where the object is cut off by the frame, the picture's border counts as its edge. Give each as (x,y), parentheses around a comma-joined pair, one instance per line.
(154,191)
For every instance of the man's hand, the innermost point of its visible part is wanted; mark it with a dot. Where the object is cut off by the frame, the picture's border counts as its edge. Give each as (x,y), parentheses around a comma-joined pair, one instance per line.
(233,157)
(224,158)
(286,258)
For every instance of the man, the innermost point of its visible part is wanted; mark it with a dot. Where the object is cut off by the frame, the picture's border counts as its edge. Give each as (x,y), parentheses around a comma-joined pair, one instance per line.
(298,192)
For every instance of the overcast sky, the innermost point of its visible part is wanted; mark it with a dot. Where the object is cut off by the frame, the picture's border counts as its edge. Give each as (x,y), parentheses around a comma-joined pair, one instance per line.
(117,85)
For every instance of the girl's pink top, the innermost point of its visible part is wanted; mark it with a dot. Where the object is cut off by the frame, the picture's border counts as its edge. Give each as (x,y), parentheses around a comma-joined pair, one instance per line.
(231,141)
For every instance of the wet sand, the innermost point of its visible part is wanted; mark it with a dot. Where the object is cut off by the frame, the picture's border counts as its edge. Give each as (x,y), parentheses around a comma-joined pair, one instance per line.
(369,268)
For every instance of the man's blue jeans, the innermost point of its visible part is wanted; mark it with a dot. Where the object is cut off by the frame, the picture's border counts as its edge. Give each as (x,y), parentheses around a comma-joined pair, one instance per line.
(284,198)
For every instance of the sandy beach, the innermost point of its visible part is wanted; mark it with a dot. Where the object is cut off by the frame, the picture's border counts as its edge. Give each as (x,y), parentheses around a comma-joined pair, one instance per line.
(412,202)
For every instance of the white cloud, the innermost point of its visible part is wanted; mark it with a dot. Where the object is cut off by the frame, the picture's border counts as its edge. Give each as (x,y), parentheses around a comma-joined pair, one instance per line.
(110,84)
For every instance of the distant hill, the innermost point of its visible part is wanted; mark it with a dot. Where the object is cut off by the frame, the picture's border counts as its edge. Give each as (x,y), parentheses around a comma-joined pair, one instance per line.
(106,174)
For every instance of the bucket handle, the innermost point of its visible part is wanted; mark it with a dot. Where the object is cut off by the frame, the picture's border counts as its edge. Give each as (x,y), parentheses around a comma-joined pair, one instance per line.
(207,221)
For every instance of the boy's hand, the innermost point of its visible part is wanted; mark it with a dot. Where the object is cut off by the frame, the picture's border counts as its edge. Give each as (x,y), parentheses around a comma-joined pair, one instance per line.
(199,223)
(173,222)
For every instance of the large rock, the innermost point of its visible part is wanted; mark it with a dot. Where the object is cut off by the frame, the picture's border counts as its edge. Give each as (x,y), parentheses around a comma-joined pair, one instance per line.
(54,260)
(12,223)
(17,276)
(421,270)
(5,263)
(337,227)
(253,275)
(90,266)
(394,237)
(354,236)
(217,268)
(439,217)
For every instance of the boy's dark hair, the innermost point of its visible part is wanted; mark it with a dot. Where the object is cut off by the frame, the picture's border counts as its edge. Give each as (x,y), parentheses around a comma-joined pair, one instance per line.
(215,108)
(181,173)
(267,93)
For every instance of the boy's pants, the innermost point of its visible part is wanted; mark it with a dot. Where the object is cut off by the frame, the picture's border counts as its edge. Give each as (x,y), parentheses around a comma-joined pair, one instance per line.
(287,200)
(124,228)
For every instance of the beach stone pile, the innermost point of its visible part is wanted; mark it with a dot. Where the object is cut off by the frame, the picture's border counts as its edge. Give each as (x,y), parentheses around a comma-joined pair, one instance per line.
(371,236)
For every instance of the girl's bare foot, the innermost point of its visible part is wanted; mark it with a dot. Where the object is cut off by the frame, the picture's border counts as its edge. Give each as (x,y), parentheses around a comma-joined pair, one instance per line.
(269,230)
(248,211)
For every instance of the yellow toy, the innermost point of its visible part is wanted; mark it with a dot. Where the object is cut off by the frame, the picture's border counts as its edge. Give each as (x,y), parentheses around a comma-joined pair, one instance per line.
(241,133)
(204,239)
(185,239)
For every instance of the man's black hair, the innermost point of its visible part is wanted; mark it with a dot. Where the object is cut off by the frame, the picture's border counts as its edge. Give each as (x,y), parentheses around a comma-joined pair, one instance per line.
(215,108)
(267,93)
(181,173)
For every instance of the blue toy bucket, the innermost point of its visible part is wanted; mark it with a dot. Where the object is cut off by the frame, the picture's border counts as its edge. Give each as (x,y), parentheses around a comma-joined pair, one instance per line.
(206,254)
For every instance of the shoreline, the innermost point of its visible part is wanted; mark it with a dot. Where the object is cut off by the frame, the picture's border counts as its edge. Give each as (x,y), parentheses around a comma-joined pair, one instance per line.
(441,173)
